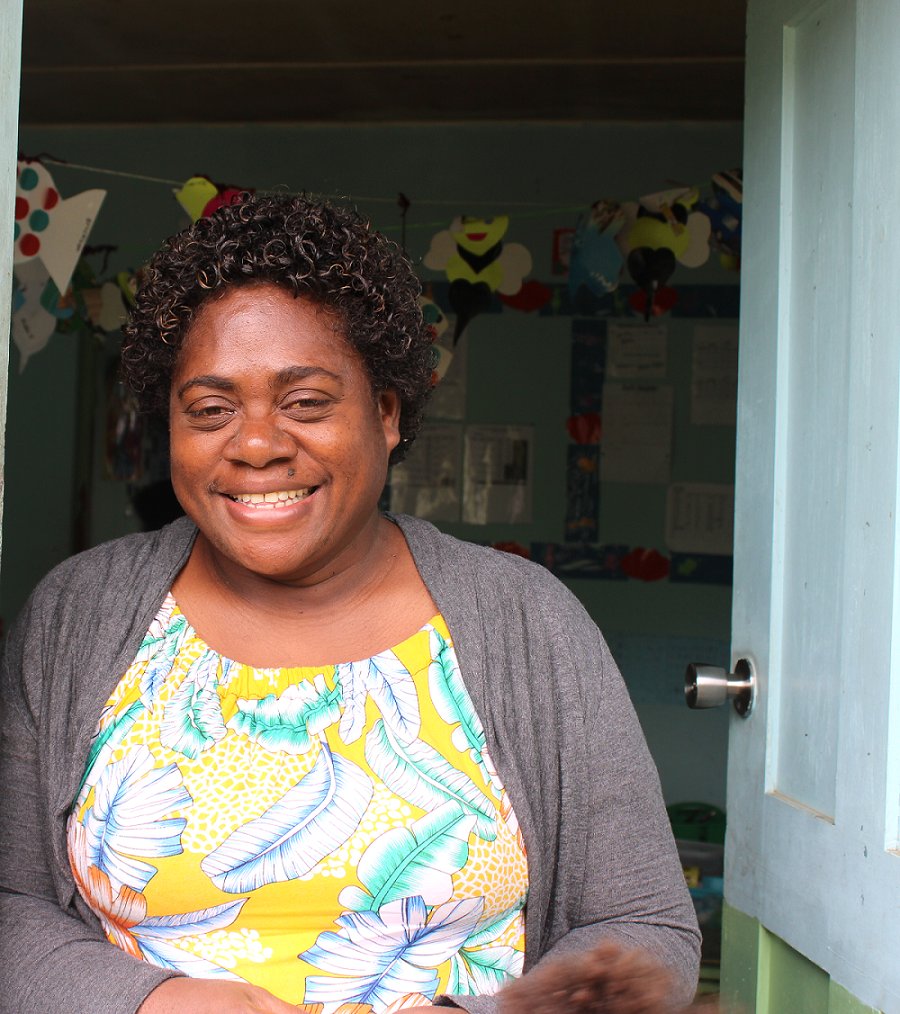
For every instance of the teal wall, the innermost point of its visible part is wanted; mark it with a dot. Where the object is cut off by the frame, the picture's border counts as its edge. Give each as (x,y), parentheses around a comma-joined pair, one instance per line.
(518,365)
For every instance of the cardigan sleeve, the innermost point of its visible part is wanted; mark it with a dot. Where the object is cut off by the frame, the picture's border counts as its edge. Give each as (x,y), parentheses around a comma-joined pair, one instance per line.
(51,959)
(602,858)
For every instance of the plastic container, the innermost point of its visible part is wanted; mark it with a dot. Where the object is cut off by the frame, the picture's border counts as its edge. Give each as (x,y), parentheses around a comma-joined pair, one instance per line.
(697,822)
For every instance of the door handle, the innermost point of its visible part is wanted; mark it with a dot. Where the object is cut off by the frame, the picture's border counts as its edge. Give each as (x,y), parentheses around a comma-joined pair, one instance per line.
(710,686)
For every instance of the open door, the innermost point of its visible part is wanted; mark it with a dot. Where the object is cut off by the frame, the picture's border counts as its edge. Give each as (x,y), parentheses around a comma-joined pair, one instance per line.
(812,880)
(10,62)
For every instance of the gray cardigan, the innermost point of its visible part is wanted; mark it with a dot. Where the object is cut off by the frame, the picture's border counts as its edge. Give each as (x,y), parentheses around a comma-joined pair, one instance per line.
(557,718)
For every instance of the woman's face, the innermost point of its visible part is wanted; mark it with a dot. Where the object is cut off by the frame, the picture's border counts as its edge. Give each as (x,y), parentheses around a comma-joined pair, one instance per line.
(279,447)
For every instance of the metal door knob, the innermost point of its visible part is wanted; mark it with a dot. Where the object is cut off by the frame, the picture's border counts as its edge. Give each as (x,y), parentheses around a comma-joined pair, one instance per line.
(710,686)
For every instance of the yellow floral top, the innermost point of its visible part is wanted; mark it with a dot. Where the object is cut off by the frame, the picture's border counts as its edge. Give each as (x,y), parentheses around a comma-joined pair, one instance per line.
(335,834)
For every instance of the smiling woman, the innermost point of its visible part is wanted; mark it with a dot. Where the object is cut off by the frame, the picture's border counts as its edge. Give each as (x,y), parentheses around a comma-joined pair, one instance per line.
(289,753)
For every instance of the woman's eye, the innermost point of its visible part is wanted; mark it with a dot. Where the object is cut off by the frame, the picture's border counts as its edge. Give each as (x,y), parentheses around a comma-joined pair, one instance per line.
(209,413)
(306,403)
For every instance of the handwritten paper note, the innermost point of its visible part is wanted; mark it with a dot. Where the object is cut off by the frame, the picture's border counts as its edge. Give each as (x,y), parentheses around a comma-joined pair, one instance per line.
(636,351)
(637,432)
(700,518)
(714,375)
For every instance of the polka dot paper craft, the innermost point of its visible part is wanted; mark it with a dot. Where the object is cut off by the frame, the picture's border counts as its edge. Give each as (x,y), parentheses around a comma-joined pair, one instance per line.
(32,322)
(48,228)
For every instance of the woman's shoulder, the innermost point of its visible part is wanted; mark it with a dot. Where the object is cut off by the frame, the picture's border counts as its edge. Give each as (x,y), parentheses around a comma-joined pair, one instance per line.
(453,563)
(113,567)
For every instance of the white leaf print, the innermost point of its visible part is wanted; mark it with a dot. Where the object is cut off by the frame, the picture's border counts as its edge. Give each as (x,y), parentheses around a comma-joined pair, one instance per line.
(129,818)
(192,721)
(423,777)
(352,677)
(379,957)
(309,822)
(394,691)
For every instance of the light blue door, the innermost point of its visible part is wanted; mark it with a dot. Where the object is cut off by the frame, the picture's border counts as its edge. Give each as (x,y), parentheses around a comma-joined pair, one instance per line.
(814,773)
(10,59)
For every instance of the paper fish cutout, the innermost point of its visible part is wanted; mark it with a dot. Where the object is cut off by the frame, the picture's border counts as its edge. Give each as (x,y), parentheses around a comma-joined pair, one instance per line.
(200,197)
(477,264)
(47,228)
(596,260)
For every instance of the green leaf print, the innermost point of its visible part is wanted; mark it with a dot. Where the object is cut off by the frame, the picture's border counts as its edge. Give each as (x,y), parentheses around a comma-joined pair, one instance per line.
(102,747)
(450,697)
(419,774)
(479,968)
(416,860)
(193,721)
(160,663)
(484,971)
(287,724)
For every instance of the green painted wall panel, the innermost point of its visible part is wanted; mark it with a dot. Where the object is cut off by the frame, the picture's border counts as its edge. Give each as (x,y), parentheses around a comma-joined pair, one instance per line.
(842,1002)
(761,974)
(740,960)
(788,982)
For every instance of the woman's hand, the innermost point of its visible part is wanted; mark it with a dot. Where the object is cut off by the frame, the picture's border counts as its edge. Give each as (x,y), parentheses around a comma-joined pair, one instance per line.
(213,996)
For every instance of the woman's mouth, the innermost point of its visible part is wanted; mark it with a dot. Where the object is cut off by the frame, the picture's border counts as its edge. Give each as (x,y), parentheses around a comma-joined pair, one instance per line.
(273,500)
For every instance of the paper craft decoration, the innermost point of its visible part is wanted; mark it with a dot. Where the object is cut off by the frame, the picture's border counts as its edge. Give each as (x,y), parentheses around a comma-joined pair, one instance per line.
(585,428)
(32,322)
(105,306)
(725,212)
(645,564)
(47,228)
(562,250)
(477,263)
(200,197)
(532,296)
(437,323)
(660,232)
(596,257)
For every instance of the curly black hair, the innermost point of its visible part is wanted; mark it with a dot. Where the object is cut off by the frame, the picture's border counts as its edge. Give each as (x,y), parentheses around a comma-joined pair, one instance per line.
(316,250)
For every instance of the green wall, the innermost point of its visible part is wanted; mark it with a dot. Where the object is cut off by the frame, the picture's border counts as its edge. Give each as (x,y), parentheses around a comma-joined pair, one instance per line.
(762,974)
(541,175)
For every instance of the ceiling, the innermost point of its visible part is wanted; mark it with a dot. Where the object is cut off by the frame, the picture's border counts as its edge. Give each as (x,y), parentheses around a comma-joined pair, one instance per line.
(215,61)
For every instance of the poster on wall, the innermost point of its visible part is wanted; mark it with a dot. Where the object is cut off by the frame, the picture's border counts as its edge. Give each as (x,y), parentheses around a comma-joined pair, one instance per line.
(714,364)
(497,472)
(637,432)
(700,518)
(636,351)
(427,482)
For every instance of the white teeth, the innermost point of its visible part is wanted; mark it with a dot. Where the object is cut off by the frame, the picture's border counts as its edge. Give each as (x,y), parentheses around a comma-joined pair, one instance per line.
(270,501)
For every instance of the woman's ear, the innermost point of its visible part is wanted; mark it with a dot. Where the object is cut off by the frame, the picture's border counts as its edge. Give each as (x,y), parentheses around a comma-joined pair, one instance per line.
(389,410)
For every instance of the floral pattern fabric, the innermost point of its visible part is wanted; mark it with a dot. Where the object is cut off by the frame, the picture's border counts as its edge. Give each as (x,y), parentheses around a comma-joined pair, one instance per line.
(335,834)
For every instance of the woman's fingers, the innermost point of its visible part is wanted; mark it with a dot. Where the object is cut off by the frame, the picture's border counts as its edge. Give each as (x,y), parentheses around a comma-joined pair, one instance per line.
(210,996)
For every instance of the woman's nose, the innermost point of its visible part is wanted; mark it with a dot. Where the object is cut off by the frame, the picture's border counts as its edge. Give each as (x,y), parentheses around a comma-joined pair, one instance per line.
(259,442)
